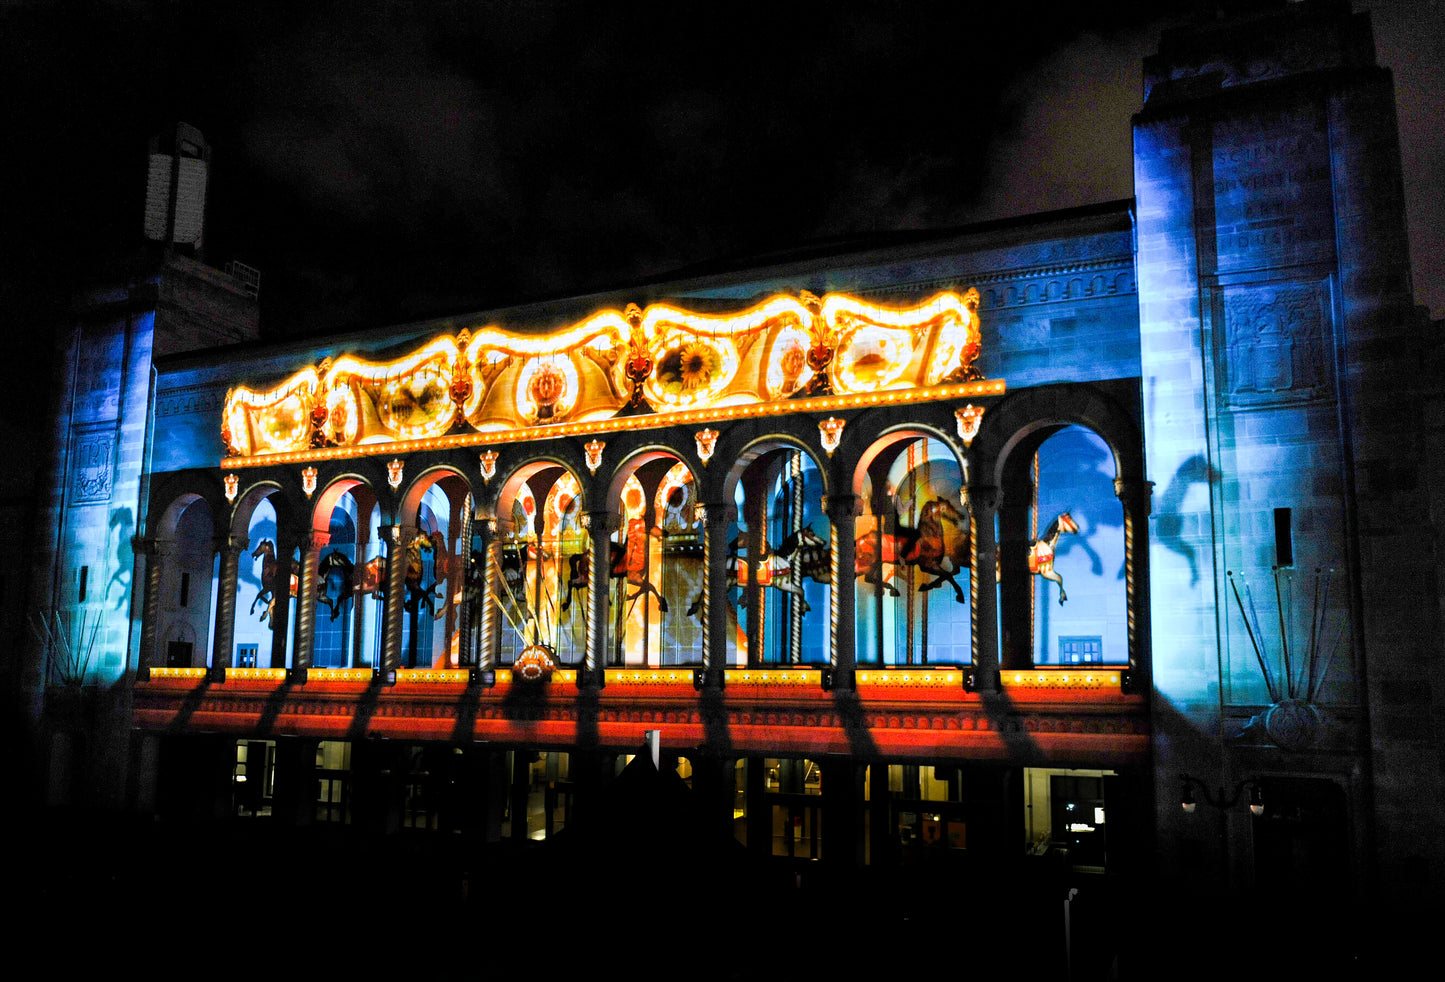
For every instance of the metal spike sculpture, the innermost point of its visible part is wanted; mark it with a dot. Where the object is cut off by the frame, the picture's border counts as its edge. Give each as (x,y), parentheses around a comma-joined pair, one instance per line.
(1292,721)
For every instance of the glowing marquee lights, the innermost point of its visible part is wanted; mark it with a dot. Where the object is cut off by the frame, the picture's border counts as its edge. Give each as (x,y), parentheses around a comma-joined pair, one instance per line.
(616,370)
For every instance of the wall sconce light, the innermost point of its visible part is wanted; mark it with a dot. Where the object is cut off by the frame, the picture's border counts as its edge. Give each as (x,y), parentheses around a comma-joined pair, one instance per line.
(308,481)
(706,444)
(586,521)
(489,465)
(233,486)
(830,433)
(393,473)
(594,455)
(699,513)
(1222,801)
(970,417)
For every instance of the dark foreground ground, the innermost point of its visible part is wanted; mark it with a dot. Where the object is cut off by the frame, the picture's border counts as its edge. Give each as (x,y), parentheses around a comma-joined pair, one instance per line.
(94,893)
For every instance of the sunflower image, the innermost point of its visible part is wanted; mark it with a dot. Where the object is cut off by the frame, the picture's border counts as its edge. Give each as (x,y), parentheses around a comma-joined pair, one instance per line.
(688,367)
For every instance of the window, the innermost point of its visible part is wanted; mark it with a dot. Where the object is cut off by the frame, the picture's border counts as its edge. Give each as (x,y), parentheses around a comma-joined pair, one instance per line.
(246,655)
(1079,650)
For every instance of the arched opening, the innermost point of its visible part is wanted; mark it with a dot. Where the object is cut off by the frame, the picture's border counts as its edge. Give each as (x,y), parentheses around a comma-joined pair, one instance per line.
(656,576)
(779,563)
(347,628)
(189,573)
(439,508)
(262,574)
(1076,606)
(542,554)
(912,554)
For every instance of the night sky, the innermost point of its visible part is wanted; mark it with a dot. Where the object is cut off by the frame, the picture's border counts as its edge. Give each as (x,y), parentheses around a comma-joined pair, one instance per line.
(384,162)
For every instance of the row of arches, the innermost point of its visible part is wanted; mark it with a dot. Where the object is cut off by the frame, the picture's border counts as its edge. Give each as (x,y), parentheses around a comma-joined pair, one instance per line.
(903,547)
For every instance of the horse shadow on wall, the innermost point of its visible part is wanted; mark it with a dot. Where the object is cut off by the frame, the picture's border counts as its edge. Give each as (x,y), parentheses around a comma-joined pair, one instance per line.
(122,525)
(1168,519)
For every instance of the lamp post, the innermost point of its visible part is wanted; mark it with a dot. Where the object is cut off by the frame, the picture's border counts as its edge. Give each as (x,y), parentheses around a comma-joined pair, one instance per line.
(1222,801)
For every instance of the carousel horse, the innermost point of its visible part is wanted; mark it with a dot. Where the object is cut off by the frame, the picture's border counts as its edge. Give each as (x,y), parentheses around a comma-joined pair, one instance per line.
(633,564)
(924,547)
(774,570)
(335,571)
(416,593)
(929,552)
(810,553)
(266,549)
(1041,551)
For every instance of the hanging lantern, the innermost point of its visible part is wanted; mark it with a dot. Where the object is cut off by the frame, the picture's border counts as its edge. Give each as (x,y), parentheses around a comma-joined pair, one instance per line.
(969,419)
(308,481)
(594,455)
(489,464)
(706,444)
(233,485)
(393,473)
(830,433)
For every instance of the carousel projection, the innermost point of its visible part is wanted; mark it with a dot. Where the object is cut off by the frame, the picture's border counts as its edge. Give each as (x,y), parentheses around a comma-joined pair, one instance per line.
(912,541)
(786,353)
(778,565)
(542,563)
(1072,478)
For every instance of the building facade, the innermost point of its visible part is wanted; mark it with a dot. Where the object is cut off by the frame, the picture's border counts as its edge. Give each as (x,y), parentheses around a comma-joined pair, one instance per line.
(982,544)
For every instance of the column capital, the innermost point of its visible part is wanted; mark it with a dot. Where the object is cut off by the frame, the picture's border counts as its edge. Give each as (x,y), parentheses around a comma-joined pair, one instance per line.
(1134,491)
(230,544)
(399,536)
(313,541)
(838,506)
(602,521)
(984,497)
(144,545)
(717,513)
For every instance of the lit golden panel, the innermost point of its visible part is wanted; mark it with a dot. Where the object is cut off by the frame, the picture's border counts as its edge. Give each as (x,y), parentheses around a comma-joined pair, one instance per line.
(688,367)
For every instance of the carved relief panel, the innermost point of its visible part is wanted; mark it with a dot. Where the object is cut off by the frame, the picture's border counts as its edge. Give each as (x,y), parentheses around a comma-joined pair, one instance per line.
(1277,343)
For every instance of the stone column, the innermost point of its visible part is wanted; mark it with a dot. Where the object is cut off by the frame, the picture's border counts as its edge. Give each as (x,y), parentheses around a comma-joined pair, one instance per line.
(1135,495)
(150,602)
(286,542)
(716,518)
(312,542)
(398,538)
(1016,584)
(224,637)
(983,509)
(599,524)
(843,511)
(466,612)
(358,599)
(486,629)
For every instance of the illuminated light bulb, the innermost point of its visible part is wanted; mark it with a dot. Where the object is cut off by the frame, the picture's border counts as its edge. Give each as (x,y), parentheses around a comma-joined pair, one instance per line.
(594,455)
(706,444)
(830,433)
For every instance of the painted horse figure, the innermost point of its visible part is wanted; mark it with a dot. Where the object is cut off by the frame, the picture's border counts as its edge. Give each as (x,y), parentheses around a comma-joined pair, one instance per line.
(930,552)
(633,564)
(1041,551)
(775,568)
(335,571)
(416,594)
(925,547)
(266,549)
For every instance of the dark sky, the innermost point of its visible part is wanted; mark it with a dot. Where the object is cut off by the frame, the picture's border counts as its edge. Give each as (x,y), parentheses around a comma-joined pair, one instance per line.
(379,162)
